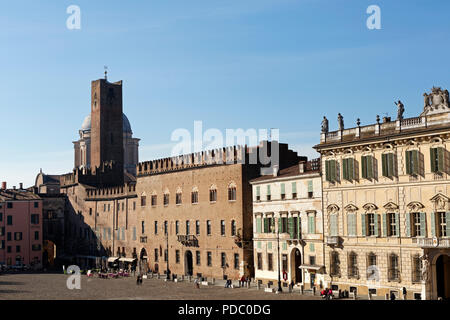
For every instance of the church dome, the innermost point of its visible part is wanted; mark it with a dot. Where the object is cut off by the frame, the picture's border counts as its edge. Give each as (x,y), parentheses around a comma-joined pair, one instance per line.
(86,126)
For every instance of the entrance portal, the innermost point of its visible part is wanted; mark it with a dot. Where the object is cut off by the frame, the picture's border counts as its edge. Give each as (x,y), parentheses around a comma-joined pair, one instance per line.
(143,266)
(188,265)
(296,262)
(443,276)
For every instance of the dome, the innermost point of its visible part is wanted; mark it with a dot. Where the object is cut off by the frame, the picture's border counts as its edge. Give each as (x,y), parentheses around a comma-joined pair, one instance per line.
(86,126)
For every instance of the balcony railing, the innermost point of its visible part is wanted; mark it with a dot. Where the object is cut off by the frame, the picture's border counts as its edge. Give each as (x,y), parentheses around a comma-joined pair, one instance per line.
(394,275)
(188,240)
(333,240)
(353,272)
(433,242)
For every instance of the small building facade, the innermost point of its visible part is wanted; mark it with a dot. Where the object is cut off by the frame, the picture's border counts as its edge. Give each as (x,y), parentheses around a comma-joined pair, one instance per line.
(288,226)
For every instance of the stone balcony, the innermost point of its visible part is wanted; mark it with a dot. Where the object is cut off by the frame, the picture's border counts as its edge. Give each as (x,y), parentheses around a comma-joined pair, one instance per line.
(433,242)
(333,240)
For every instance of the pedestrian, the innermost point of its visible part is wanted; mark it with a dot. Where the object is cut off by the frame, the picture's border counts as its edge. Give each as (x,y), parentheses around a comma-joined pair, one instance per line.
(392,295)
(404,293)
(243,281)
(196,284)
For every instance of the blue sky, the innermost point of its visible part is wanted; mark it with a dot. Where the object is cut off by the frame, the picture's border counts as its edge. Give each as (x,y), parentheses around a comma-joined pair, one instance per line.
(231,64)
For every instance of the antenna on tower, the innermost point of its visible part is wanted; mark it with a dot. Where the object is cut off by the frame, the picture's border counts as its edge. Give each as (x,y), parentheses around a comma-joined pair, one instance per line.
(106,72)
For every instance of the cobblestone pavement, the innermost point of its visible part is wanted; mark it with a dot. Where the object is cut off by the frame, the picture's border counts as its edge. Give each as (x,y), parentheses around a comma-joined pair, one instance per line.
(53,286)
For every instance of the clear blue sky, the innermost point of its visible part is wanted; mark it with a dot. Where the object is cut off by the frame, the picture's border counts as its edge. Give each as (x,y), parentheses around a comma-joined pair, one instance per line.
(232,64)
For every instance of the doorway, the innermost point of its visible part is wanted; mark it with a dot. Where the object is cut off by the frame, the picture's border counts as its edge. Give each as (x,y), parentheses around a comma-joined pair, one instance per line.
(143,266)
(188,265)
(443,276)
(296,262)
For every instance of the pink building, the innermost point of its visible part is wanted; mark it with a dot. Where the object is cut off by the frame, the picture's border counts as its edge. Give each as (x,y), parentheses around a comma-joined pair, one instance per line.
(20,227)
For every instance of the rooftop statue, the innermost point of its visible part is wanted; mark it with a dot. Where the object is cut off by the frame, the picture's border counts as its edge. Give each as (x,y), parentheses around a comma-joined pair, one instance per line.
(340,122)
(400,110)
(325,125)
(436,101)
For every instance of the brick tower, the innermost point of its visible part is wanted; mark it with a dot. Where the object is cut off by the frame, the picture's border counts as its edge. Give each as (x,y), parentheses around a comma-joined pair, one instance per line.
(106,124)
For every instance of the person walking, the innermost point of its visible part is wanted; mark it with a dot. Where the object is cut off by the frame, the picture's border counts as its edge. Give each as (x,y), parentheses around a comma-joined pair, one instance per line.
(392,296)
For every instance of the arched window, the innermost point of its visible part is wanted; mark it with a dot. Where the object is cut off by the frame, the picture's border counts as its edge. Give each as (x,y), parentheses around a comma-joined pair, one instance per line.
(232,192)
(213,194)
(166,197)
(335,264)
(179,194)
(353,265)
(194,195)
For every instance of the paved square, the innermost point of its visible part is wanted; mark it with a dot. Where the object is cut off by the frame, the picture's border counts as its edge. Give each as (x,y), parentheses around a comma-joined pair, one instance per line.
(49,286)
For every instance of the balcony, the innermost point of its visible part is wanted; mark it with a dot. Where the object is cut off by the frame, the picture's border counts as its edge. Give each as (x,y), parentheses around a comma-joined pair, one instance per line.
(433,242)
(143,239)
(188,240)
(333,240)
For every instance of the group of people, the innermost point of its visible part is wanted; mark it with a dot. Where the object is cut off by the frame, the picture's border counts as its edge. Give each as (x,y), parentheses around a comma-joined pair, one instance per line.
(326,294)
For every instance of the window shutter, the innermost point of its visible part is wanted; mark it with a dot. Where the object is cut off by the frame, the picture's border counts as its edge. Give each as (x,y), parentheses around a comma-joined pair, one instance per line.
(327,171)
(433,159)
(415,161)
(385,226)
(333,170)
(268,190)
(313,223)
(351,169)
(291,227)
(279,224)
(369,167)
(345,168)
(310,186)
(364,167)
(390,164)
(266,225)
(376,221)
(272,224)
(299,227)
(258,225)
(433,224)
(423,219)
(384,164)
(294,187)
(363,224)
(349,225)
(408,162)
(397,224)
(447,223)
(441,160)
(408,224)
(258,191)
(282,188)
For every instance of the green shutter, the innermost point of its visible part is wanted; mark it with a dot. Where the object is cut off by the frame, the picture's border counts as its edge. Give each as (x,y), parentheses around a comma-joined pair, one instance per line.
(447,223)
(279,225)
(258,190)
(269,245)
(408,224)
(291,227)
(376,218)
(268,189)
(441,159)
(327,172)
(294,187)
(390,164)
(397,224)
(364,167)
(423,219)
(384,164)
(363,224)
(369,167)
(408,162)
(415,156)
(384,225)
(313,223)
(333,224)
(333,170)
(433,224)
(258,225)
(433,159)
(272,224)
(345,169)
(282,189)
(350,224)
(310,186)
(351,169)
(299,226)
(266,225)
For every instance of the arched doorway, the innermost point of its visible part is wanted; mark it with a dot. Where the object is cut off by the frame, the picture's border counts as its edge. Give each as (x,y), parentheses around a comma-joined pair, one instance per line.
(143,266)
(188,265)
(296,262)
(443,276)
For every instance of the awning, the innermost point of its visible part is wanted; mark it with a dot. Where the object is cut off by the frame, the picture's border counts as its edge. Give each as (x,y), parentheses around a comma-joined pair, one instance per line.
(127,259)
(112,259)
(311,267)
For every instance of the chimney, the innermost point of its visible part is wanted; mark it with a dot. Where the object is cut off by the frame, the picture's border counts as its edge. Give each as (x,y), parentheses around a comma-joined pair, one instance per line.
(275,170)
(4,185)
(21,186)
(301,167)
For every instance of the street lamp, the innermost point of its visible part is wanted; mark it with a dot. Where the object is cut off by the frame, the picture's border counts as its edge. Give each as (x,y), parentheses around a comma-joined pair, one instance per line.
(278,257)
(167,255)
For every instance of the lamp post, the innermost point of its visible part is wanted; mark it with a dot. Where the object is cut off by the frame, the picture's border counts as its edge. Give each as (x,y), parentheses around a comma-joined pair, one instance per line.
(167,252)
(278,257)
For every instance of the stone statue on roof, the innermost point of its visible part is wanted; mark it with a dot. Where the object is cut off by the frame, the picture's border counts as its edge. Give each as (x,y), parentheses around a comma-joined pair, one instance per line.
(325,125)
(340,122)
(400,110)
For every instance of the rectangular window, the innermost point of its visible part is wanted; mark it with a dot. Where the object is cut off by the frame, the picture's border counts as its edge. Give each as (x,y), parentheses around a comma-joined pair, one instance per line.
(177,256)
(154,200)
(212,195)
(284,260)
(8,249)
(209,258)
(197,257)
(156,227)
(392,221)
(166,199)
(34,219)
(412,162)
(367,167)
(348,169)
(270,261)
(36,204)
(294,190)
(177,227)
(36,247)
(9,220)
(259,260)
(143,201)
(268,195)
(165,227)
(236,261)
(284,225)
(223,260)
(178,198)
(443,218)
(194,197)
(8,236)
(233,228)
(312,260)
(156,255)
(188,229)
(331,170)
(311,223)
(17,236)
(370,224)
(283,192)
(258,193)
(437,159)
(1,216)
(310,189)
(17,249)
(2,231)
(231,193)
(416,230)
(197,227)
(2,244)
(222,227)
(208,227)
(394,272)
(9,205)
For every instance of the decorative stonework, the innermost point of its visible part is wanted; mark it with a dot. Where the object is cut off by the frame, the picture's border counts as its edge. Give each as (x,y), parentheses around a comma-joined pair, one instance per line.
(351,208)
(332,208)
(440,202)
(435,102)
(390,206)
(370,207)
(414,206)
